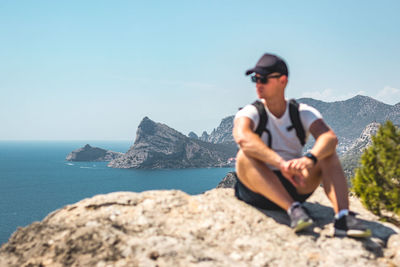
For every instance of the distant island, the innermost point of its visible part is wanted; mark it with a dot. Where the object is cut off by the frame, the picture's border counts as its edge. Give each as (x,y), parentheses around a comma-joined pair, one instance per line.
(89,153)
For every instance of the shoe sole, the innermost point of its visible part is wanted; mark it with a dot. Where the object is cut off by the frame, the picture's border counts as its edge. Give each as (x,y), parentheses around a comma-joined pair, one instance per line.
(302,225)
(353,233)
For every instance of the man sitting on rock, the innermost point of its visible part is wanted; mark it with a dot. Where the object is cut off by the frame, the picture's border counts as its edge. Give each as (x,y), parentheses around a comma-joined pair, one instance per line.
(272,172)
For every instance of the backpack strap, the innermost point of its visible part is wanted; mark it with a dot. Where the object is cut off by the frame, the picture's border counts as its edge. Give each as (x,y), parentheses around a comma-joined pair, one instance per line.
(263,121)
(295,119)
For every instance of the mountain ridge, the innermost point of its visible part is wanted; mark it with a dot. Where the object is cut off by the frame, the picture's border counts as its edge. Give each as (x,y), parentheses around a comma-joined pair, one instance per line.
(347,118)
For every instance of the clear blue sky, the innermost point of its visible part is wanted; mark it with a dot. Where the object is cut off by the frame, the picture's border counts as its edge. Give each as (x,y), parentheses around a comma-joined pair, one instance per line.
(77,70)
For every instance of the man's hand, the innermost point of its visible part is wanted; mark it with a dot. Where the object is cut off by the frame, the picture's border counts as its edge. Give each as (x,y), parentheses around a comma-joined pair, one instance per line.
(295,177)
(296,169)
(301,166)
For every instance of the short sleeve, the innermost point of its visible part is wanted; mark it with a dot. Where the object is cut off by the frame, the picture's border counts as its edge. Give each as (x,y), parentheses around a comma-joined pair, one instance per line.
(250,112)
(308,115)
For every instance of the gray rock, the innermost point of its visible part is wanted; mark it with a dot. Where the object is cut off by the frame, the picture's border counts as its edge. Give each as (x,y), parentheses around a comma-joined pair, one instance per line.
(171,228)
(365,139)
(89,153)
(204,136)
(159,146)
(193,135)
(229,181)
(223,133)
(350,159)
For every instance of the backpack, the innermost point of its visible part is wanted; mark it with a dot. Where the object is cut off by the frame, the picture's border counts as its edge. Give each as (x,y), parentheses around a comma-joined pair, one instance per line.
(294,118)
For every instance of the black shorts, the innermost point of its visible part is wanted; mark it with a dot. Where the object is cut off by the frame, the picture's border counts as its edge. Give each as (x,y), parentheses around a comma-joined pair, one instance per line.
(245,194)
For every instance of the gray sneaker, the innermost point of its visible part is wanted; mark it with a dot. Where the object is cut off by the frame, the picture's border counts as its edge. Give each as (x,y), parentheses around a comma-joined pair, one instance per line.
(299,218)
(349,225)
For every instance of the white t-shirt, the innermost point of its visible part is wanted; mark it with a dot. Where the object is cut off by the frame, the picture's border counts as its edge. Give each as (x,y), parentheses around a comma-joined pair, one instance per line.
(284,142)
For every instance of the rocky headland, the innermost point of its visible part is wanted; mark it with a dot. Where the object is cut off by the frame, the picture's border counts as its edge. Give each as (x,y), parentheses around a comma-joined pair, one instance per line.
(89,153)
(171,228)
(159,146)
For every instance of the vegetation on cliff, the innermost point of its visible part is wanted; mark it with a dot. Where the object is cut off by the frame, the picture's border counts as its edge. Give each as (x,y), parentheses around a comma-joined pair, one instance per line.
(377,180)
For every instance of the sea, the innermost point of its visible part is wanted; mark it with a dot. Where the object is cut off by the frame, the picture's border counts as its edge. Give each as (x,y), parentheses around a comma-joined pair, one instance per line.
(35,179)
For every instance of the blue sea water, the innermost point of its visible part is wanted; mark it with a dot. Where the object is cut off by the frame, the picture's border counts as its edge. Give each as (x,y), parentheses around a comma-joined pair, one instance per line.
(35,179)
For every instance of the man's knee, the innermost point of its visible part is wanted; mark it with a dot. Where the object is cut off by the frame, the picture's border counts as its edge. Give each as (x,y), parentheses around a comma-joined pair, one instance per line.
(250,170)
(243,166)
(244,163)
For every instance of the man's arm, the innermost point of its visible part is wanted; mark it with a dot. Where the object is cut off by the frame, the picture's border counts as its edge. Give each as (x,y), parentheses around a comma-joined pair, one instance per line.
(325,139)
(325,145)
(251,144)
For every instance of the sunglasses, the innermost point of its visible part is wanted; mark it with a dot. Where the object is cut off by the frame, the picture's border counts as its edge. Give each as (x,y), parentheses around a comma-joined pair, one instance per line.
(264,79)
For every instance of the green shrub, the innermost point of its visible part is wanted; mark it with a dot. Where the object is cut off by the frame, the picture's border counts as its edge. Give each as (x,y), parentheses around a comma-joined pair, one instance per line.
(377,180)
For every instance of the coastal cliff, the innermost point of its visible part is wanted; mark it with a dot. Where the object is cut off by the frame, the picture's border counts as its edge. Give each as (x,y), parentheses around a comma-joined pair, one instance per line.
(171,228)
(159,146)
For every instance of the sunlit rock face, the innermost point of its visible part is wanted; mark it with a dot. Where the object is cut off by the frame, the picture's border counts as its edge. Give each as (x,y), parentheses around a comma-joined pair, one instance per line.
(171,228)
(158,146)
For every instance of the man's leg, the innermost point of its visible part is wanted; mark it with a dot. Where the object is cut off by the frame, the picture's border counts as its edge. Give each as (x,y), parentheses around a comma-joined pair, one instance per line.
(335,186)
(335,183)
(328,171)
(256,176)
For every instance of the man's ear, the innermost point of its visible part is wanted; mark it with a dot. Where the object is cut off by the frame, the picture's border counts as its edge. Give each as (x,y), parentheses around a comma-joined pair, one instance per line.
(283,79)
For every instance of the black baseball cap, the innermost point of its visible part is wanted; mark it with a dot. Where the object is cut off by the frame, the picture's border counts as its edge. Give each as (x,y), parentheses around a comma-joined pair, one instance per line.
(268,64)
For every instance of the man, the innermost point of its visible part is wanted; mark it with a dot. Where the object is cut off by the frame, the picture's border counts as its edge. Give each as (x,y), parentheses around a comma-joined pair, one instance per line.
(279,177)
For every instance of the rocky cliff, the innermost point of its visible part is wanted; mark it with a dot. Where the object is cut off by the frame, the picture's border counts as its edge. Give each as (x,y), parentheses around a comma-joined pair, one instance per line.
(89,153)
(365,139)
(159,146)
(171,228)
(222,134)
(350,159)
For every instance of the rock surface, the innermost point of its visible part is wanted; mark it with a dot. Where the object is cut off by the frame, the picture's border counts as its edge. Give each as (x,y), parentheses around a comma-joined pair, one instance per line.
(193,135)
(350,159)
(365,139)
(222,134)
(229,181)
(171,228)
(159,146)
(89,153)
(204,136)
